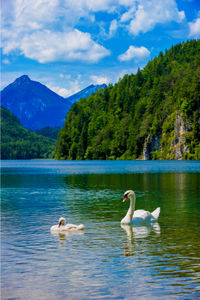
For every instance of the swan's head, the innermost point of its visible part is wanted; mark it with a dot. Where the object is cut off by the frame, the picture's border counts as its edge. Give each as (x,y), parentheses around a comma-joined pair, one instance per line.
(128,194)
(61,222)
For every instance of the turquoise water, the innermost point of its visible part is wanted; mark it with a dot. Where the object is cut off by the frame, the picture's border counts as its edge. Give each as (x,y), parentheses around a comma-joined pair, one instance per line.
(106,261)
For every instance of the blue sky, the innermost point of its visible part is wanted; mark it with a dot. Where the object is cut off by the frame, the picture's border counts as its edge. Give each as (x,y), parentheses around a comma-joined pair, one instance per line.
(70,44)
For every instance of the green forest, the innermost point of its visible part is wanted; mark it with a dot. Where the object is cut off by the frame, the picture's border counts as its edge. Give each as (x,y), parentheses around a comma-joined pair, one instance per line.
(20,143)
(154,114)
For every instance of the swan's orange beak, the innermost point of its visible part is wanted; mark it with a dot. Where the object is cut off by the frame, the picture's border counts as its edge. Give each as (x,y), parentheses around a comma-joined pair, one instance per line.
(125,198)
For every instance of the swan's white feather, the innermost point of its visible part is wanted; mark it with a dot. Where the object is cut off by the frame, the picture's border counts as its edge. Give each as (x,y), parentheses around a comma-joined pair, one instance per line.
(140,215)
(67,227)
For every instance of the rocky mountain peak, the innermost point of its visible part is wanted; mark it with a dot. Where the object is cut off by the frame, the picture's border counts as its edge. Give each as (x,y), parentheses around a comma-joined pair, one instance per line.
(22,80)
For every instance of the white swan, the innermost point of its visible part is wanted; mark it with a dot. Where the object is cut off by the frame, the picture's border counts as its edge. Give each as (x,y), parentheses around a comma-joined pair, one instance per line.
(140,215)
(62,226)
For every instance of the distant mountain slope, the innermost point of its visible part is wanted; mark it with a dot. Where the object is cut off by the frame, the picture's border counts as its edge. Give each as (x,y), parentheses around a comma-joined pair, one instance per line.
(34,104)
(38,107)
(85,93)
(18,142)
(49,132)
(154,114)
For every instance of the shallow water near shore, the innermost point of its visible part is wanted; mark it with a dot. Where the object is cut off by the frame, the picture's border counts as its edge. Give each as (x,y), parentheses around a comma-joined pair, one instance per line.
(107,260)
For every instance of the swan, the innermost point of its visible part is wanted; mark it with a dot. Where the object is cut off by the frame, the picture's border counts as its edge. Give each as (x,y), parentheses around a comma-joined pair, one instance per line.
(62,226)
(138,216)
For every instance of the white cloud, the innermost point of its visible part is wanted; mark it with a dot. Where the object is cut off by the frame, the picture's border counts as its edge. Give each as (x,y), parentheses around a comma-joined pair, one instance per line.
(128,15)
(124,72)
(73,87)
(127,2)
(60,91)
(32,15)
(100,5)
(133,52)
(63,76)
(194,28)
(113,27)
(47,46)
(99,79)
(45,31)
(150,13)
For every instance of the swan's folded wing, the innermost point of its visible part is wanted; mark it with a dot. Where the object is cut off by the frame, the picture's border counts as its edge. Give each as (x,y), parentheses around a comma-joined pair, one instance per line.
(54,228)
(141,213)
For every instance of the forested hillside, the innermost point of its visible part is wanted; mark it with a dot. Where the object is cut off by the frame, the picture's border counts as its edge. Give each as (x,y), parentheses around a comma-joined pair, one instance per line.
(20,143)
(154,114)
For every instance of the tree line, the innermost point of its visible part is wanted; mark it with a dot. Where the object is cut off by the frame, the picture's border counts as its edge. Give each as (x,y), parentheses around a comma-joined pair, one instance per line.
(116,122)
(18,142)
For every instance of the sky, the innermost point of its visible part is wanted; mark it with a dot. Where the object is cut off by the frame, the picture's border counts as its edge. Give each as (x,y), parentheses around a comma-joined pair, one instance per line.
(69,44)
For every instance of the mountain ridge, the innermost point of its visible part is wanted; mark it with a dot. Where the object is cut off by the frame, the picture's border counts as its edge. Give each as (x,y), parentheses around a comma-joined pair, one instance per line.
(86,92)
(36,105)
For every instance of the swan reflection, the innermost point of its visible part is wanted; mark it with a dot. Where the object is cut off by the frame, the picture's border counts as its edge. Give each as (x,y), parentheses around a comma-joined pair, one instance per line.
(62,236)
(138,232)
(141,231)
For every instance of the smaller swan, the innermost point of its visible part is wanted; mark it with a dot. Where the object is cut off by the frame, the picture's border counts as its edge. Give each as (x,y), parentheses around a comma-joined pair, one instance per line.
(138,216)
(62,226)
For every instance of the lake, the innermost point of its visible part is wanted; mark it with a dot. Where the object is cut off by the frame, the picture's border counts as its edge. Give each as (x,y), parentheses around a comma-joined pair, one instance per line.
(106,261)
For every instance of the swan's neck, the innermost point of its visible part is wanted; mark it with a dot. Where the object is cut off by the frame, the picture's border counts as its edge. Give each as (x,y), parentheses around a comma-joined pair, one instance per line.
(132,206)
(129,216)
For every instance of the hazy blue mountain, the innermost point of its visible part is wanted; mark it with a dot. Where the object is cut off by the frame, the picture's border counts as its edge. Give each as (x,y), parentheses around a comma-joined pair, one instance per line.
(35,105)
(85,92)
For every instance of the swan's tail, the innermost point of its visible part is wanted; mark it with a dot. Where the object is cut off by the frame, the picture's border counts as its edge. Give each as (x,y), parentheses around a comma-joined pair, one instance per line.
(81,227)
(156,213)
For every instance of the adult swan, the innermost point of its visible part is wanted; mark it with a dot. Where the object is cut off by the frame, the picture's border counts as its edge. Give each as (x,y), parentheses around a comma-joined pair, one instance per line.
(138,216)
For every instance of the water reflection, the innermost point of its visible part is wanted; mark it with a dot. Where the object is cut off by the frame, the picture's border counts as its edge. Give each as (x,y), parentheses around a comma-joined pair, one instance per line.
(63,237)
(135,232)
(163,259)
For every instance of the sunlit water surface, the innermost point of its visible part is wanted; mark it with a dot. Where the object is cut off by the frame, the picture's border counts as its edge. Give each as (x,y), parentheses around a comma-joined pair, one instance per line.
(106,261)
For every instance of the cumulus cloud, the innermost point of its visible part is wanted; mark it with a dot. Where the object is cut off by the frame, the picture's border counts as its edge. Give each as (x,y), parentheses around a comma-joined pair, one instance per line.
(128,15)
(150,13)
(46,31)
(46,46)
(60,91)
(133,52)
(99,5)
(73,87)
(194,28)
(99,79)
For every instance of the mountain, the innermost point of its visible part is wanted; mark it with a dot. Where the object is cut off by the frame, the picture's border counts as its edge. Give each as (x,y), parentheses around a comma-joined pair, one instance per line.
(154,114)
(49,132)
(38,107)
(34,104)
(18,142)
(85,93)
